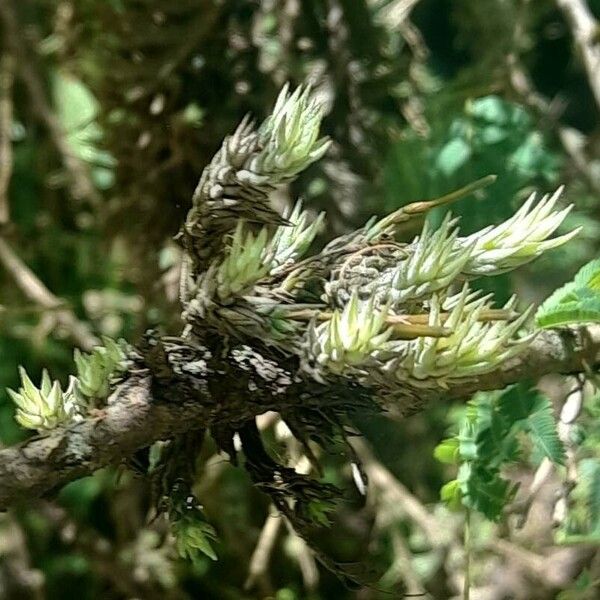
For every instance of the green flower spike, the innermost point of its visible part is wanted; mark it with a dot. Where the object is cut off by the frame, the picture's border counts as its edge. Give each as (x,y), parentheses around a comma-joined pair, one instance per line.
(44,408)
(474,347)
(518,240)
(436,262)
(290,135)
(245,263)
(289,243)
(95,369)
(350,337)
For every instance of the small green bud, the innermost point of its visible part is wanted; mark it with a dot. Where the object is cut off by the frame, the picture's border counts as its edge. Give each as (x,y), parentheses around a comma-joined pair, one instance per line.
(520,239)
(349,338)
(95,369)
(44,408)
(244,265)
(289,243)
(290,135)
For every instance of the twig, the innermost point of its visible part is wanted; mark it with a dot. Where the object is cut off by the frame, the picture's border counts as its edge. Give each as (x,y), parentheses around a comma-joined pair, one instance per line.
(571,409)
(532,562)
(36,291)
(394,14)
(81,186)
(468,548)
(6,117)
(105,556)
(572,140)
(381,478)
(555,570)
(523,506)
(584,28)
(259,563)
(305,558)
(196,31)
(401,566)
(17,578)
(24,277)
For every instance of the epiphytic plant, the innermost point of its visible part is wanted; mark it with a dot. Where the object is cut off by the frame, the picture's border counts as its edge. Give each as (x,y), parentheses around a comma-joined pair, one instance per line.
(394,316)
(391,319)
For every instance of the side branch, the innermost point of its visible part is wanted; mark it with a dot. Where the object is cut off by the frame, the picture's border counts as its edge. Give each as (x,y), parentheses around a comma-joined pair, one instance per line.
(563,351)
(136,417)
(584,29)
(132,421)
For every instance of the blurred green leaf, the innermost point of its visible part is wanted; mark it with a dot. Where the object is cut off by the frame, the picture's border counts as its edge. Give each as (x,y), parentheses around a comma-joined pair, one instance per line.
(452,156)
(448,451)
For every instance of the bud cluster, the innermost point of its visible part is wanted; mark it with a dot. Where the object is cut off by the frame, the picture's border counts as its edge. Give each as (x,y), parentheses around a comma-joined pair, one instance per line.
(45,407)
(49,406)
(520,239)
(250,164)
(289,138)
(349,337)
(397,316)
(95,369)
(469,345)
(368,306)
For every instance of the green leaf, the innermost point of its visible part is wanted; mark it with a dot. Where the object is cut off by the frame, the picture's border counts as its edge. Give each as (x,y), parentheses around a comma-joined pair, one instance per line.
(451,495)
(571,314)
(576,302)
(448,451)
(542,429)
(318,511)
(453,156)
(517,403)
(484,490)
(77,111)
(193,537)
(589,275)
(488,440)
(492,134)
(492,109)
(532,411)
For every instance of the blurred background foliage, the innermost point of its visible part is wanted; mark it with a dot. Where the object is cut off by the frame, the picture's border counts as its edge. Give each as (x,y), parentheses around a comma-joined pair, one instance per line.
(109,110)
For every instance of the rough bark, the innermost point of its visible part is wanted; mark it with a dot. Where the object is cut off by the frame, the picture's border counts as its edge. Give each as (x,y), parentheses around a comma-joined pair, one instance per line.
(148,408)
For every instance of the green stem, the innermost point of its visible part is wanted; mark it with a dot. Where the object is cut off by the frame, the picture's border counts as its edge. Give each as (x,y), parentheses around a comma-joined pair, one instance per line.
(467,545)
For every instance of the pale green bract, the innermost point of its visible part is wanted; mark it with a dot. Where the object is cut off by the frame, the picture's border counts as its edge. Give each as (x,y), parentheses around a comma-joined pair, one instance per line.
(349,337)
(45,407)
(289,243)
(472,346)
(244,264)
(437,261)
(49,406)
(95,369)
(520,239)
(290,136)
(250,256)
